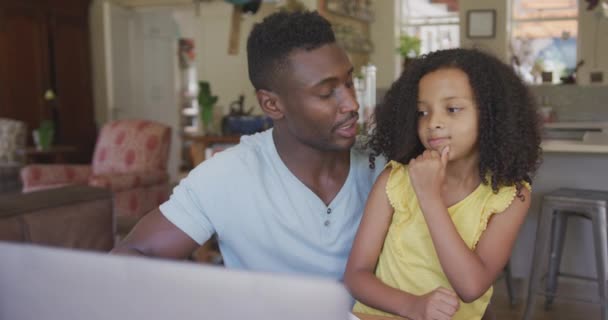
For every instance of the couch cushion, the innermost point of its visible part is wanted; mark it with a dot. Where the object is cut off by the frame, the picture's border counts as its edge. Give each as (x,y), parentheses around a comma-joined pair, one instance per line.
(27,202)
(78,217)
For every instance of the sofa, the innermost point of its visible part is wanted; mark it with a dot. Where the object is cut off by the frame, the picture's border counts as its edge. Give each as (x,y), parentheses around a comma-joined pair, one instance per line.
(78,217)
(130,160)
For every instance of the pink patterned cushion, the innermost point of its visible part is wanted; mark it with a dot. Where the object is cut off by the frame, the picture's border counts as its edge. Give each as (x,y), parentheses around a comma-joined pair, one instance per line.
(124,181)
(36,177)
(130,159)
(131,145)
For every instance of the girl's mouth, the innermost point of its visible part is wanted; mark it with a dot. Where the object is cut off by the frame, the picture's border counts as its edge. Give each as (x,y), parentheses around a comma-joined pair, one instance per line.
(437,143)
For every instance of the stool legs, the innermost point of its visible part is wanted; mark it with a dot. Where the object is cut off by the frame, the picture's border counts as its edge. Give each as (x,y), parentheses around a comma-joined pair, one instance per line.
(540,249)
(601,257)
(558,235)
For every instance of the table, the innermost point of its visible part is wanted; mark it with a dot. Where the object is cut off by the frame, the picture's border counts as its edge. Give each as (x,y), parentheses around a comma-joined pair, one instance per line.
(54,154)
(201,143)
(364,316)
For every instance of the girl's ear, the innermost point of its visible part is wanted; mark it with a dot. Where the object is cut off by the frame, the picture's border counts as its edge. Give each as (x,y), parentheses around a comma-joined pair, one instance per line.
(270,104)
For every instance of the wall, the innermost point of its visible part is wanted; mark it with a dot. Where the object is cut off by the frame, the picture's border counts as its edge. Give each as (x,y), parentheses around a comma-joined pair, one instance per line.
(210,30)
(497,45)
(384,32)
(135,67)
(98,47)
(592,35)
(575,102)
(593,43)
(228,74)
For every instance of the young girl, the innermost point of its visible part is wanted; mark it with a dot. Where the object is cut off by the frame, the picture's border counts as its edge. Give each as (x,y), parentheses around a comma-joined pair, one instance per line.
(460,131)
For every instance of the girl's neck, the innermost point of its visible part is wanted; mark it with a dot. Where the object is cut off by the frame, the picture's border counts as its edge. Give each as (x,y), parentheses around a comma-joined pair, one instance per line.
(464,172)
(462,178)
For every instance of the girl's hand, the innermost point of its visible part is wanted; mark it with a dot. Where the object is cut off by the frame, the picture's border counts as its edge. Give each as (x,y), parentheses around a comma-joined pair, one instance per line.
(440,304)
(427,173)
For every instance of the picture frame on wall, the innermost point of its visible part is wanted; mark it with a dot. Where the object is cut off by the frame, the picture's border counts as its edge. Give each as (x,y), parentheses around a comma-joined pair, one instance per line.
(481,23)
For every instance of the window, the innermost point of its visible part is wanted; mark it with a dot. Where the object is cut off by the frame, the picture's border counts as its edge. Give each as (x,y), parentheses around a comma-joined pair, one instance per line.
(543,39)
(435,24)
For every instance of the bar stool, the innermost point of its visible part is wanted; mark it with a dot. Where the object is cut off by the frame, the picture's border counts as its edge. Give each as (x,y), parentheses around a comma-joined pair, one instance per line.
(557,206)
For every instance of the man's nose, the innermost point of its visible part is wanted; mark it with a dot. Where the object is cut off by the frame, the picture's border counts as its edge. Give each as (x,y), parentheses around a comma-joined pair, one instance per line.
(348,103)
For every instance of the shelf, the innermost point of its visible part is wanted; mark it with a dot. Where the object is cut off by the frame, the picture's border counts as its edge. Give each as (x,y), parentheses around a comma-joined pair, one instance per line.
(356,12)
(190,130)
(190,112)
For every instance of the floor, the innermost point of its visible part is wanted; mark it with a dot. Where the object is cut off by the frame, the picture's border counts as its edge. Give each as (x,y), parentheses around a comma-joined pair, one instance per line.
(575,306)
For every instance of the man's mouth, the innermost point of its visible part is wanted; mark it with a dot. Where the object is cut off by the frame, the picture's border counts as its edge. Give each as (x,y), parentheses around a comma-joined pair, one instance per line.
(348,122)
(348,128)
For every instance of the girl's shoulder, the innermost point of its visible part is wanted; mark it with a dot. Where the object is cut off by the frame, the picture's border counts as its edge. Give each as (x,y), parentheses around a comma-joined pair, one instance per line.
(398,187)
(396,165)
(501,200)
(497,203)
(397,174)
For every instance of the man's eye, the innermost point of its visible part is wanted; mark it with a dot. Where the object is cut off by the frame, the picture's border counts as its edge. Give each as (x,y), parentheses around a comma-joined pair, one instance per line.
(422,113)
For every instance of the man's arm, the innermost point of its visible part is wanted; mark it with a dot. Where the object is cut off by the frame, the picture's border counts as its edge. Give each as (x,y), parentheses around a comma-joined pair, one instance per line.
(155,236)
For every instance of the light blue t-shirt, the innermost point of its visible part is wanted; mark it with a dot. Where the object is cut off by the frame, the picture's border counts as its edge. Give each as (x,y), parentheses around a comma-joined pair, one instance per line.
(265,218)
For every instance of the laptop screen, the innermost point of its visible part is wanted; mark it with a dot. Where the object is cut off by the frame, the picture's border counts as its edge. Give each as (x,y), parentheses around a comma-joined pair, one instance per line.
(50,283)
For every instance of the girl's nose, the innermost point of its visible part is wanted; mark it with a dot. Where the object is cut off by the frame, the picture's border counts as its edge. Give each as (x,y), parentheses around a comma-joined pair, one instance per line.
(436,122)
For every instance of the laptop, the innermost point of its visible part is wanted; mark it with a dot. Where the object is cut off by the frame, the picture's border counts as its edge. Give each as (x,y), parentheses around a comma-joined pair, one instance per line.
(51,283)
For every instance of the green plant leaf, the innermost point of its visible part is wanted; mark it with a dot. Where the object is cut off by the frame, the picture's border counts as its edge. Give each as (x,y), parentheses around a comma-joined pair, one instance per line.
(409,46)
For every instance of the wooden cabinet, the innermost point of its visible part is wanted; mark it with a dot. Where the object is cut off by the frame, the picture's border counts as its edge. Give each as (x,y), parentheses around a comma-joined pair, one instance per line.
(44,45)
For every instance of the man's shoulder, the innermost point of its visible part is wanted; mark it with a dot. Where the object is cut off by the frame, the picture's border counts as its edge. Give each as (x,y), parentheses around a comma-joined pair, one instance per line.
(234,157)
(364,160)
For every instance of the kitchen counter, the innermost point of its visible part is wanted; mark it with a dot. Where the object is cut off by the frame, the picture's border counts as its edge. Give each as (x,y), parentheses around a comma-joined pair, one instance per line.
(592,137)
(571,146)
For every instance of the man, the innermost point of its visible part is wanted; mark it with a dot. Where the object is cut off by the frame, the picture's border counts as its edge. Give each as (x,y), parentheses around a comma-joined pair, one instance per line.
(289,199)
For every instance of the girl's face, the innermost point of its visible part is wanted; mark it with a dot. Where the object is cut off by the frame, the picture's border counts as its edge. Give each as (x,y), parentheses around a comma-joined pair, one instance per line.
(448,113)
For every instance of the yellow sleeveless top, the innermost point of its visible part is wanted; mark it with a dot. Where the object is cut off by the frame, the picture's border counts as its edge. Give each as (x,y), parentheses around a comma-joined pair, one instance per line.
(408,260)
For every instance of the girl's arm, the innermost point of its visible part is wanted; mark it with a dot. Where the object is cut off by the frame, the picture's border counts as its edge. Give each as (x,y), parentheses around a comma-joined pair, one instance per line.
(471,273)
(366,287)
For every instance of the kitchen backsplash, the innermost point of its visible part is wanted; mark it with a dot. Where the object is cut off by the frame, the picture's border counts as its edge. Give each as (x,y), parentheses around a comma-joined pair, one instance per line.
(574,103)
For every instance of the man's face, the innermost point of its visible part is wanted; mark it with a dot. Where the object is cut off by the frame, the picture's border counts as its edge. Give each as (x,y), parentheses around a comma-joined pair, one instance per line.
(318,98)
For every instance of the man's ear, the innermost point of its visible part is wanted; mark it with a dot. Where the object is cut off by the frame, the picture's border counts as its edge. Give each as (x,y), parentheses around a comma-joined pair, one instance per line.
(270,104)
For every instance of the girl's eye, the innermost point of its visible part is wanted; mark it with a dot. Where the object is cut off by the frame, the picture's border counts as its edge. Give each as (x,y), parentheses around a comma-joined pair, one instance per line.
(327,95)
(454,109)
(422,113)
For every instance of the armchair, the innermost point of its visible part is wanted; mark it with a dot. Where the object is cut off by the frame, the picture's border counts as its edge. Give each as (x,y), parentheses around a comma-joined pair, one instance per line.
(12,137)
(130,159)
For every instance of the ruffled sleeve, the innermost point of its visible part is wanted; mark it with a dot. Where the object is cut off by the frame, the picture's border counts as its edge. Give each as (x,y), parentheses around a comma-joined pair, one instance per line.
(398,180)
(497,203)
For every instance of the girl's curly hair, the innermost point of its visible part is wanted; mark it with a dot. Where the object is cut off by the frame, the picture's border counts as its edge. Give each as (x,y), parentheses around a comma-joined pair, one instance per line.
(509,128)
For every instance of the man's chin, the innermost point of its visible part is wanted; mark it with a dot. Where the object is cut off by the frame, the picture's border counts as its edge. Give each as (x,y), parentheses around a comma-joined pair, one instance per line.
(346,144)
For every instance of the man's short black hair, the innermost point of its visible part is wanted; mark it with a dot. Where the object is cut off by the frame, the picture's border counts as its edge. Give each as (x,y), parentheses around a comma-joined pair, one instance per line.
(272,40)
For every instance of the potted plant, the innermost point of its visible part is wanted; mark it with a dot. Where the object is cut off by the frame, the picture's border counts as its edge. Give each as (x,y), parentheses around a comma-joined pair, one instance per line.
(409,48)
(43,136)
(206,102)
